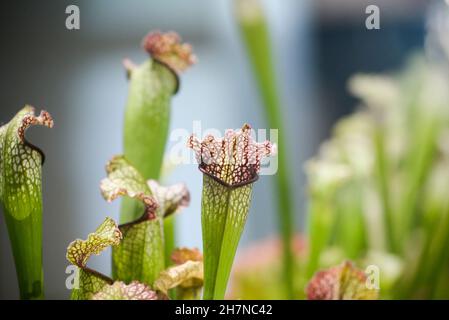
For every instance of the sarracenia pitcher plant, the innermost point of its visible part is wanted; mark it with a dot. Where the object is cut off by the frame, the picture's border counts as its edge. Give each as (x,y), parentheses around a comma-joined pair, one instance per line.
(147,116)
(21,198)
(230,166)
(186,277)
(140,255)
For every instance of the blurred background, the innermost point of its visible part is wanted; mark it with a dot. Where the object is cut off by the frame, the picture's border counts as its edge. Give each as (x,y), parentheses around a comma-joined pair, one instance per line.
(78,77)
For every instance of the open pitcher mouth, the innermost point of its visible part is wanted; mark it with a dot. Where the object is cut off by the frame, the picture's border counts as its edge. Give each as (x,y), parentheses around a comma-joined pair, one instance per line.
(169,50)
(254,178)
(233,160)
(30,119)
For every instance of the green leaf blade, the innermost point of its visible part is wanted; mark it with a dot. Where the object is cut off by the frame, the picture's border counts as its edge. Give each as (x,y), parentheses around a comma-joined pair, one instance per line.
(255,36)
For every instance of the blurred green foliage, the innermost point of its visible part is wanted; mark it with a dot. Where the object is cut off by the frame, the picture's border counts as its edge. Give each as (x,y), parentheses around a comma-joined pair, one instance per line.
(377,190)
(389,161)
(255,36)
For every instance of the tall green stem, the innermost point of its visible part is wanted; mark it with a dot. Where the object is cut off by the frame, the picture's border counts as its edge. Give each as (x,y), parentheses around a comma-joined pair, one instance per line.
(418,165)
(321,219)
(255,35)
(382,167)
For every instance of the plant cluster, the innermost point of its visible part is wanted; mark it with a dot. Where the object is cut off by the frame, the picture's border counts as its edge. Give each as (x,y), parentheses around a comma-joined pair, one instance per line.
(145,264)
(376,191)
